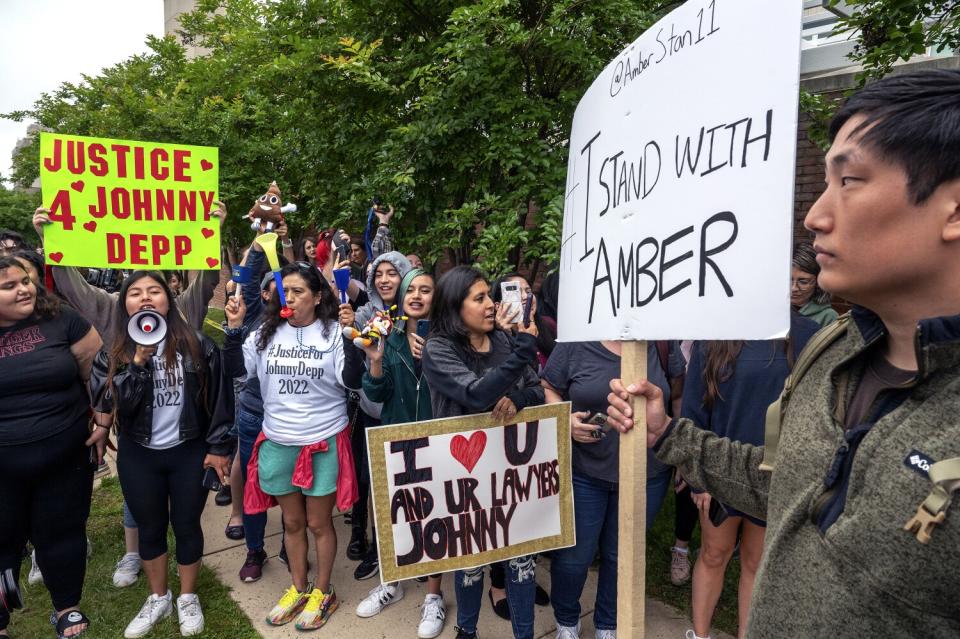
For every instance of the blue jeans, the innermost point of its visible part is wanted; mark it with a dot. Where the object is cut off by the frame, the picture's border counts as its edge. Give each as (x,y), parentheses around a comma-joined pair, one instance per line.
(248,428)
(595,518)
(521,592)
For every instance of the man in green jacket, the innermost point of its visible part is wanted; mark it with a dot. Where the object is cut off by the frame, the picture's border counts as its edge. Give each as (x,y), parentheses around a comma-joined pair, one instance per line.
(861,540)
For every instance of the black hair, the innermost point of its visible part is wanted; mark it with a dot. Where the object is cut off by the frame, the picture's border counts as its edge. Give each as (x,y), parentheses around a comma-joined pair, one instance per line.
(34,258)
(300,250)
(912,120)
(448,296)
(46,306)
(180,338)
(326,310)
(805,259)
(7,234)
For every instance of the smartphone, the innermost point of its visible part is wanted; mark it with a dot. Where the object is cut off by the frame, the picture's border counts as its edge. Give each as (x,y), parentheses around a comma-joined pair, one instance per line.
(527,307)
(510,297)
(341,246)
(423,328)
(602,425)
(211,480)
(718,513)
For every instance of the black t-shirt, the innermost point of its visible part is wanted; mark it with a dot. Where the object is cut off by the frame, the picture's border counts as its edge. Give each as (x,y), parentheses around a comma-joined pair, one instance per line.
(42,390)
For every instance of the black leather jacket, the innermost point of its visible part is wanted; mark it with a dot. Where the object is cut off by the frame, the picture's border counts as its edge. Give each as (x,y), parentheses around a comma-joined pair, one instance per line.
(207,414)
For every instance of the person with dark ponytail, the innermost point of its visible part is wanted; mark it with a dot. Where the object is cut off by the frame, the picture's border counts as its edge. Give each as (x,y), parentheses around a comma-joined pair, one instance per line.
(473,368)
(806,296)
(173,407)
(729,386)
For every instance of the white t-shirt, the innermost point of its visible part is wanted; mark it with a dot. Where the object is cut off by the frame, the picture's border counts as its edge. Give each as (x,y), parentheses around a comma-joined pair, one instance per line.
(301,381)
(167,402)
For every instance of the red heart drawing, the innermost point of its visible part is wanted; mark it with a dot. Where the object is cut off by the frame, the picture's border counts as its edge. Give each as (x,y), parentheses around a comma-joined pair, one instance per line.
(206,165)
(468,451)
(207,233)
(77,186)
(211,262)
(90,226)
(56,257)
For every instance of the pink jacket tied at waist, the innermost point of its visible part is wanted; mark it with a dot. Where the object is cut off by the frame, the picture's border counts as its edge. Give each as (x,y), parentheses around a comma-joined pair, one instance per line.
(256,501)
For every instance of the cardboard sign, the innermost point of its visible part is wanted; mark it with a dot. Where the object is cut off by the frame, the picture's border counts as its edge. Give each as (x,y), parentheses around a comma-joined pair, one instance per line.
(128,204)
(457,493)
(679,199)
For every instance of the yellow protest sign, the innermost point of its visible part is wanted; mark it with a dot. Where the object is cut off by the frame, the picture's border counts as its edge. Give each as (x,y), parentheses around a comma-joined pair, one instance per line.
(129,204)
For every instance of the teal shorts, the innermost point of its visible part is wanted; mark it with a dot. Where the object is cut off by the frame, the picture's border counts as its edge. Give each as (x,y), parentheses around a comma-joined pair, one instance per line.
(275,465)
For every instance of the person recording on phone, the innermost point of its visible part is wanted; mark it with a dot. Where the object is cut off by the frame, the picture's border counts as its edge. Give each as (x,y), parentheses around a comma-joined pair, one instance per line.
(520,293)
(173,408)
(47,452)
(474,368)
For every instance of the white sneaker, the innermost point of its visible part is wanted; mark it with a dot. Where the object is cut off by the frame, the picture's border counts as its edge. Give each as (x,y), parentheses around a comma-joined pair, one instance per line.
(154,609)
(190,615)
(568,632)
(127,570)
(379,598)
(690,634)
(606,633)
(432,617)
(35,575)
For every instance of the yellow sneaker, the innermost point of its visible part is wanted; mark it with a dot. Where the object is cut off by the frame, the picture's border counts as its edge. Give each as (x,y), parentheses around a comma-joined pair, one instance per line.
(317,610)
(291,603)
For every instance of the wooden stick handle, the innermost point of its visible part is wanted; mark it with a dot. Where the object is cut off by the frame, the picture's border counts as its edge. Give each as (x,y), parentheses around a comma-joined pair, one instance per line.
(632,512)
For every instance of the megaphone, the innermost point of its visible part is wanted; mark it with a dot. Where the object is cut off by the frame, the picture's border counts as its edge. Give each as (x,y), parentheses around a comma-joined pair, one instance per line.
(147,328)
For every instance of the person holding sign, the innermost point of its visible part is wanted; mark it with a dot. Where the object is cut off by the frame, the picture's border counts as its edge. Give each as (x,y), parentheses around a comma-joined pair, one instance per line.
(396,380)
(173,407)
(860,464)
(580,372)
(47,452)
(302,458)
(472,368)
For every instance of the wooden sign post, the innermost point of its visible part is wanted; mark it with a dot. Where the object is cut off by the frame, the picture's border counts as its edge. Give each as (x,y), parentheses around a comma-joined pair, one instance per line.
(678,209)
(632,502)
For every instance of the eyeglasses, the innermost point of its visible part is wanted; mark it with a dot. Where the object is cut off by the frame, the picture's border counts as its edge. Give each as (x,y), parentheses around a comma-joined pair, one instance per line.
(802,283)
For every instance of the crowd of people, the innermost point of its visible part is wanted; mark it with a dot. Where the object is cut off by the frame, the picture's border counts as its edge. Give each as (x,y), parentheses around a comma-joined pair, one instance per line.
(278,415)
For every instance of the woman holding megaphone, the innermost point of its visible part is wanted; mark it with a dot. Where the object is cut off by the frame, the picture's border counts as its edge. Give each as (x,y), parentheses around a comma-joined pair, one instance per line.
(173,407)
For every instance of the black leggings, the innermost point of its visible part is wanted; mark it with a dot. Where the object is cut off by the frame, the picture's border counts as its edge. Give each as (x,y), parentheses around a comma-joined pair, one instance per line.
(45,490)
(686,517)
(161,487)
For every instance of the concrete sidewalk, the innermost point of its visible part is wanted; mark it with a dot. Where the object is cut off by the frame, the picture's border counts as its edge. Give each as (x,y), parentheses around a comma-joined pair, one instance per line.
(225,557)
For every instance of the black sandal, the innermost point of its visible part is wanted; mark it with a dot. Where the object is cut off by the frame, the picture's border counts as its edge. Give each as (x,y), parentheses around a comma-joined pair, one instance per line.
(235,533)
(69,620)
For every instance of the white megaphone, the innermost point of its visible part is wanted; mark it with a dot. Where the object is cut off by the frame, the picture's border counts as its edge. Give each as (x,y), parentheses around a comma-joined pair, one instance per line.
(147,328)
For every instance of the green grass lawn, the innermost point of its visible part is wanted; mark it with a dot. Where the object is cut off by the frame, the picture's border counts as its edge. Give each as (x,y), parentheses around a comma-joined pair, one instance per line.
(111,609)
(659,540)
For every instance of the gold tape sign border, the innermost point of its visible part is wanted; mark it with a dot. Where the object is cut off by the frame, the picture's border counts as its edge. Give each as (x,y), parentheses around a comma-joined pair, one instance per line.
(376,439)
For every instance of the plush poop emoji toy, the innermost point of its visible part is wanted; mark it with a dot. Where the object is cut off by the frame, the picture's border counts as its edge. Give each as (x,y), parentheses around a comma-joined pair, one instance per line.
(269,209)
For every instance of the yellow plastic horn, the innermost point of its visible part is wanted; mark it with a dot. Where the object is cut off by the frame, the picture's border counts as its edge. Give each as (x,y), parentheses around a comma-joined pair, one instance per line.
(268,242)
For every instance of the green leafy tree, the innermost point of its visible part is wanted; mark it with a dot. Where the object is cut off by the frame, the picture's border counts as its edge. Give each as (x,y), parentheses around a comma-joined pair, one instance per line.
(456,112)
(16,212)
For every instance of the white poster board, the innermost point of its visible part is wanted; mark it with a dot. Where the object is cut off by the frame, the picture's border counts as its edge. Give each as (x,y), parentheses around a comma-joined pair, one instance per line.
(463,492)
(679,200)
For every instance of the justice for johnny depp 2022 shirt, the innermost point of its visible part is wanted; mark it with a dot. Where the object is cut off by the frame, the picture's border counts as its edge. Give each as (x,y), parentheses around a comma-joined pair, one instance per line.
(301,380)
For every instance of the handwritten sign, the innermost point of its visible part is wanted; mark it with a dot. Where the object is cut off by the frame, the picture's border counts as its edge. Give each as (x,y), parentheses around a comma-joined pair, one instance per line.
(463,492)
(679,197)
(128,204)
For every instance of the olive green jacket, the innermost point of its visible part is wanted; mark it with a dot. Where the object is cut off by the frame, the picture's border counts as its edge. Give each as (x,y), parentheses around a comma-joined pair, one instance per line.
(863,575)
